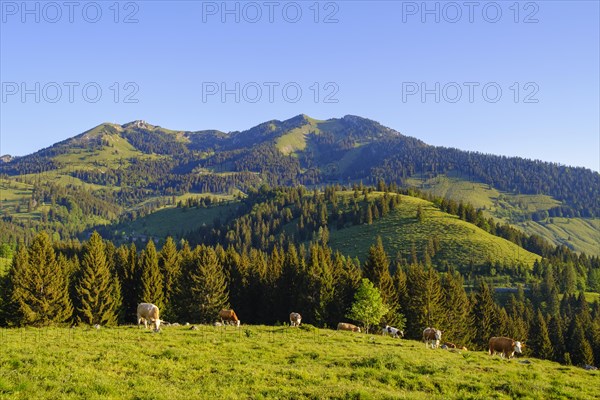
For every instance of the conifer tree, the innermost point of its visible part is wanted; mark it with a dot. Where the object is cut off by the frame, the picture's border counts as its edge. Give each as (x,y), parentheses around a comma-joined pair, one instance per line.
(291,278)
(151,278)
(485,319)
(539,338)
(40,286)
(456,303)
(208,290)
(347,276)
(126,264)
(320,285)
(170,268)
(424,307)
(555,332)
(579,347)
(97,288)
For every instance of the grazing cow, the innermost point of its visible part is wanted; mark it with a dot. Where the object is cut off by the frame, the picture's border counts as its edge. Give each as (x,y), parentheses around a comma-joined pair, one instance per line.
(432,336)
(295,319)
(147,312)
(230,317)
(343,326)
(395,332)
(505,346)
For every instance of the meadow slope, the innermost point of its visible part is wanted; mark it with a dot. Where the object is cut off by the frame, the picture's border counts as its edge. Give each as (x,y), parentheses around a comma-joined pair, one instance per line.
(265,362)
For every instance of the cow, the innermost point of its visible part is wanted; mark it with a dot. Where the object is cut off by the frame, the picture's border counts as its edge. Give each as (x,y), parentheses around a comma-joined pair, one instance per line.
(432,336)
(148,312)
(505,346)
(343,326)
(230,317)
(395,332)
(295,319)
(448,345)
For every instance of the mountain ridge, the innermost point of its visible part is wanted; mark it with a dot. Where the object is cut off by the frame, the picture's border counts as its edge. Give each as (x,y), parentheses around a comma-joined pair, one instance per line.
(133,163)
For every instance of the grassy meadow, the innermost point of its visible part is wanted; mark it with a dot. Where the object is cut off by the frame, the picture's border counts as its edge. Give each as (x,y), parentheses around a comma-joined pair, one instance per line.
(265,362)
(580,234)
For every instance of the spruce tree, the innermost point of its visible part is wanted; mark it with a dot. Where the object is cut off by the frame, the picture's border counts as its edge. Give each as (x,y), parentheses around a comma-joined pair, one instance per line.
(126,264)
(539,338)
(456,303)
(40,286)
(97,288)
(555,331)
(579,347)
(151,278)
(424,306)
(208,290)
(290,279)
(170,268)
(321,284)
(347,276)
(485,316)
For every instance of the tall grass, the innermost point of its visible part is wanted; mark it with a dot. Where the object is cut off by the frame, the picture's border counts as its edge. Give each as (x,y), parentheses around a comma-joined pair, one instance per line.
(264,362)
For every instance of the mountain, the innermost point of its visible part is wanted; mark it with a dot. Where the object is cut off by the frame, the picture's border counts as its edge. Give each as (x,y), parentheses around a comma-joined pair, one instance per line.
(114,171)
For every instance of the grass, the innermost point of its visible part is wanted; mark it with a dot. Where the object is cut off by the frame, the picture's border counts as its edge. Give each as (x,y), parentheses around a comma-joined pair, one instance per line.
(264,362)
(12,194)
(175,221)
(460,241)
(580,234)
(294,140)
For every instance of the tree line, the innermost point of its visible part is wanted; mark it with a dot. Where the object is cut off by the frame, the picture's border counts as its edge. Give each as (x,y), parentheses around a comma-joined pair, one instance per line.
(52,282)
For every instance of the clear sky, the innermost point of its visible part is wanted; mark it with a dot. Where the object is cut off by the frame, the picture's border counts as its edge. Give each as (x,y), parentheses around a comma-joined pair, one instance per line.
(510,78)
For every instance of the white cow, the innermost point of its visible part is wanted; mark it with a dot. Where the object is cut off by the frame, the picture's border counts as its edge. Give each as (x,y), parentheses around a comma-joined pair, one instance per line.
(147,312)
(395,332)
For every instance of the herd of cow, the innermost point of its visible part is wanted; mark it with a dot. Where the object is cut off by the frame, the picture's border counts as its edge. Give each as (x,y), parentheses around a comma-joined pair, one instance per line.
(432,337)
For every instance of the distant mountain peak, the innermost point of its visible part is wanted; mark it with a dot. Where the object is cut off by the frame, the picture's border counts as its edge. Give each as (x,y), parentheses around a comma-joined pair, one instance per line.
(140,124)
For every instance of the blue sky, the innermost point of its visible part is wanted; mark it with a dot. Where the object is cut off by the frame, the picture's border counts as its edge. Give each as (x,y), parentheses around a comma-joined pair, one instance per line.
(167,63)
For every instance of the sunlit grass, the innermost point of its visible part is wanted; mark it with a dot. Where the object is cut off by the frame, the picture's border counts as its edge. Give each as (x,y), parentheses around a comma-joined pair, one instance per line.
(264,362)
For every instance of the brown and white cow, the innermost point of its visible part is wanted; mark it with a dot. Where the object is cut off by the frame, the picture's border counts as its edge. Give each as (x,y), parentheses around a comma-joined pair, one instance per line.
(432,336)
(344,326)
(505,346)
(449,345)
(228,316)
(295,319)
(147,312)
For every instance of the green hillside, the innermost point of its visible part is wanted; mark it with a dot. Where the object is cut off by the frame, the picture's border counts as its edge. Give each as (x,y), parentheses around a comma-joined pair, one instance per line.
(461,243)
(172,221)
(262,362)
(118,172)
(579,234)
